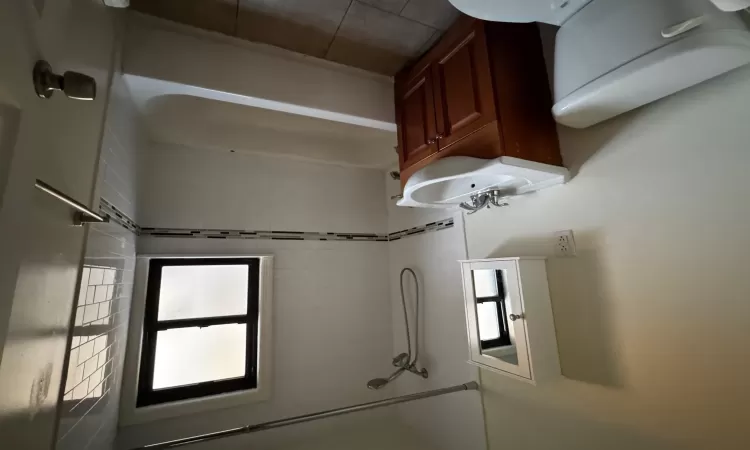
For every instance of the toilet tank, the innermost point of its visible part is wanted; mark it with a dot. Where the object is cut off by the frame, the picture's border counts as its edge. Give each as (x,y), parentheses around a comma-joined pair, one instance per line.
(613,56)
(554,12)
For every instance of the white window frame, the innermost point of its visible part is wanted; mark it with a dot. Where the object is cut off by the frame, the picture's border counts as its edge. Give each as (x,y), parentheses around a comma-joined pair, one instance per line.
(129,414)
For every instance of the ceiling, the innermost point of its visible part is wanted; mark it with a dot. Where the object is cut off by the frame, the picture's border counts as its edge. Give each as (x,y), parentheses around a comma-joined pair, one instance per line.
(376,35)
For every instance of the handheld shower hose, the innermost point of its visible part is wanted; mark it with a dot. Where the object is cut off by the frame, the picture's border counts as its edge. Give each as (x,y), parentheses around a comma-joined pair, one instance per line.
(404,361)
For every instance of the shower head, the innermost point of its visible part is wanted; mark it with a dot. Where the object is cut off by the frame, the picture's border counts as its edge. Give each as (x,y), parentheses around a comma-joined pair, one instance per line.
(379,383)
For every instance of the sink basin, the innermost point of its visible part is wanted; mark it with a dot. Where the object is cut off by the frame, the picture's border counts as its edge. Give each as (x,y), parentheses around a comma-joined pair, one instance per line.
(450,181)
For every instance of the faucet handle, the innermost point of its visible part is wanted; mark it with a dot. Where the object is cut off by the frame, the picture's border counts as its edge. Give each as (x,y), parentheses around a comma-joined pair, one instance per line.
(401,360)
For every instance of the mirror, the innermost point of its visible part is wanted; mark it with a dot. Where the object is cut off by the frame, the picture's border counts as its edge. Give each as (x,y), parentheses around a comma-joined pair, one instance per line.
(494,316)
(507,307)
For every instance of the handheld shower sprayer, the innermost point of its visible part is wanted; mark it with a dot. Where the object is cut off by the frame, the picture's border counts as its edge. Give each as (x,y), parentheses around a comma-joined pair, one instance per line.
(378,383)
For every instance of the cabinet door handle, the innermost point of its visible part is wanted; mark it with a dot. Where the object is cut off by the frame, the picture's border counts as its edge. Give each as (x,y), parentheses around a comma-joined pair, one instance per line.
(430,141)
(514,317)
(439,136)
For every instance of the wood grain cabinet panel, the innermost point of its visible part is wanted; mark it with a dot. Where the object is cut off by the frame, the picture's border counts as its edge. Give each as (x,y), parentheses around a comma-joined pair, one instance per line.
(481,91)
(415,113)
(463,95)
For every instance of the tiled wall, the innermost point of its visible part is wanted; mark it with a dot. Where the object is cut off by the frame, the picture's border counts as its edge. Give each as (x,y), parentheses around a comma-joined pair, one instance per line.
(453,421)
(92,385)
(327,228)
(331,314)
(183,187)
(331,333)
(89,407)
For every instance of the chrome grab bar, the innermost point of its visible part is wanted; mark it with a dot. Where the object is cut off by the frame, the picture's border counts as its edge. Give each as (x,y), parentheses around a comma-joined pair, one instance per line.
(470,386)
(83,214)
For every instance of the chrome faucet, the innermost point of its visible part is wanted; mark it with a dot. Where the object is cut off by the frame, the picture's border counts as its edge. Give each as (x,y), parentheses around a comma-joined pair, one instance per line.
(484,199)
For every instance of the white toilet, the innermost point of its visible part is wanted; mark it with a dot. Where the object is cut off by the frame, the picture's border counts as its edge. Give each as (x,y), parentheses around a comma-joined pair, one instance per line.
(612,56)
(554,12)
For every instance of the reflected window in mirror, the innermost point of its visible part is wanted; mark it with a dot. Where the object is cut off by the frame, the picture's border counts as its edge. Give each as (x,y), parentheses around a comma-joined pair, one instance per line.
(492,314)
(505,312)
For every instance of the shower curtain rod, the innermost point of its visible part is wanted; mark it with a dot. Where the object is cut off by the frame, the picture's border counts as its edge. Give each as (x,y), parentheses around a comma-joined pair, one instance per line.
(470,386)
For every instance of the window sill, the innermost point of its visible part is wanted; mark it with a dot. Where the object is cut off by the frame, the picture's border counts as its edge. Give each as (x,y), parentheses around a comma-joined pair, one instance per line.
(501,351)
(196,405)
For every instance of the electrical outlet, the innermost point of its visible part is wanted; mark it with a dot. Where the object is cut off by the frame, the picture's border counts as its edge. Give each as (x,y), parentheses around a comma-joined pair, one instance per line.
(564,243)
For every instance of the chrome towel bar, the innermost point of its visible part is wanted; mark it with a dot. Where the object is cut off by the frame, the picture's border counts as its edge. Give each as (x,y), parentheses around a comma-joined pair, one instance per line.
(470,386)
(83,213)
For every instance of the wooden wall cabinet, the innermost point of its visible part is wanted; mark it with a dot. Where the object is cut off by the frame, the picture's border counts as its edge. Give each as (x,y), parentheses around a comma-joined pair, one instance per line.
(481,91)
(416,118)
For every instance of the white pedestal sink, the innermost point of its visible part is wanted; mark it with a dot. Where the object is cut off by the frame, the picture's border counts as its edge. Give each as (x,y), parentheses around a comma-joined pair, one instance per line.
(450,181)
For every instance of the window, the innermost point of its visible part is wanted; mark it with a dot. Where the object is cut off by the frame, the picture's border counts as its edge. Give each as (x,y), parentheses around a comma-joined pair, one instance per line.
(200,330)
(491,310)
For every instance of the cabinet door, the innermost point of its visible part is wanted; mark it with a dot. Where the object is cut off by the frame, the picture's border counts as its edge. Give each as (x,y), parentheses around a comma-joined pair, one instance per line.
(415,116)
(463,87)
(495,317)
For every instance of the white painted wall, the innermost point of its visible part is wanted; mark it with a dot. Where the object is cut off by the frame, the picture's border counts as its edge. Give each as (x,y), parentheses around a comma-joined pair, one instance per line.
(332,316)
(652,315)
(454,421)
(55,140)
(97,348)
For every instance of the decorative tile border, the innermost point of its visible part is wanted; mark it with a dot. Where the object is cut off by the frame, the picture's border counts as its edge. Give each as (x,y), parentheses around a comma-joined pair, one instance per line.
(258,234)
(120,218)
(292,235)
(432,226)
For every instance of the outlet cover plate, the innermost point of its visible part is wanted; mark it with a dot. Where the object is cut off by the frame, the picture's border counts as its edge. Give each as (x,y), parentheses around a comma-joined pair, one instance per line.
(564,243)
